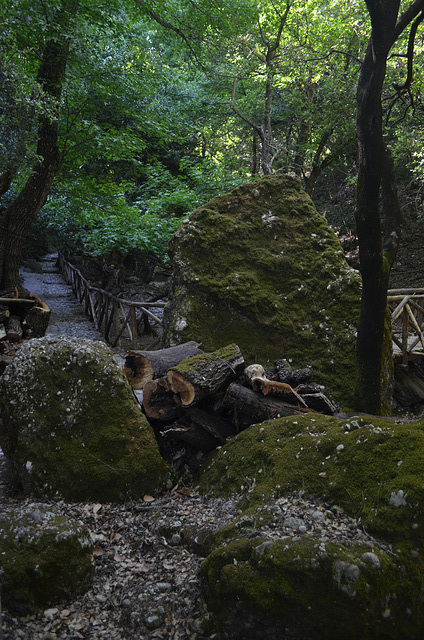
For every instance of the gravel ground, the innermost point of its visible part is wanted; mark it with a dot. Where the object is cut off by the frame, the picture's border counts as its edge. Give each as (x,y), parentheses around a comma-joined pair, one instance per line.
(146,581)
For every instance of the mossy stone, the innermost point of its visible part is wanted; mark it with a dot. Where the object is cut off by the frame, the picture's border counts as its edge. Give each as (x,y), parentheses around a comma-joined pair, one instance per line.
(373,469)
(71,426)
(306,590)
(45,558)
(261,268)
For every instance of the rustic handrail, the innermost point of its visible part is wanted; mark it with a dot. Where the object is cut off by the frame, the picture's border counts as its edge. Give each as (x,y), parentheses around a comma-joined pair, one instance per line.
(407,319)
(112,316)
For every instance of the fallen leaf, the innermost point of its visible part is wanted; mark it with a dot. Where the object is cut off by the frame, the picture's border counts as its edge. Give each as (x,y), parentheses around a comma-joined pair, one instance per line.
(148,498)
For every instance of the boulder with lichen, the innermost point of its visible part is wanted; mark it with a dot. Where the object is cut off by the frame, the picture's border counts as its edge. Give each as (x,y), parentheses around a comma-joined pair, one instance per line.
(260,267)
(354,568)
(70,425)
(45,558)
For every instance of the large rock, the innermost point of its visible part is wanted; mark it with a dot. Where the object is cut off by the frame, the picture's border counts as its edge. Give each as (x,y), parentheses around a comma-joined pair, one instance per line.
(353,566)
(45,558)
(261,268)
(71,426)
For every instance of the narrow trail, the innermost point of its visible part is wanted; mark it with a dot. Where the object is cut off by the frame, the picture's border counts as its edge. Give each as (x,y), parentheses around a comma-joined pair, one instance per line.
(67,317)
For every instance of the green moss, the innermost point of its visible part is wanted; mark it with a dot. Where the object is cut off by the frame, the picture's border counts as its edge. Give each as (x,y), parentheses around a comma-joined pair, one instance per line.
(45,558)
(317,590)
(371,467)
(268,274)
(71,425)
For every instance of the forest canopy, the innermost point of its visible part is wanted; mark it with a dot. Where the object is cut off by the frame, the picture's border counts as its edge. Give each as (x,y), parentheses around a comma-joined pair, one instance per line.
(165,105)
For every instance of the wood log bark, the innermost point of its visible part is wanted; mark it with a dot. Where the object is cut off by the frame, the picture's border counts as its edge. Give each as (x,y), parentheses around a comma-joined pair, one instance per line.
(256,407)
(216,427)
(38,317)
(284,373)
(14,330)
(205,375)
(160,402)
(255,375)
(195,436)
(142,366)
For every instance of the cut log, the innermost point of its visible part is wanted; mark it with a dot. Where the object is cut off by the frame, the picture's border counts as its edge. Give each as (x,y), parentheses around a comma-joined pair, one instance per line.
(259,382)
(205,375)
(284,373)
(13,329)
(216,427)
(142,366)
(256,407)
(37,318)
(17,301)
(319,402)
(195,436)
(159,401)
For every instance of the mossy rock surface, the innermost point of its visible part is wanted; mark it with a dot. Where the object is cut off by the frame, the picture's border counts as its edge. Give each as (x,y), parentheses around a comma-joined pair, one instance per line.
(45,558)
(300,588)
(371,467)
(261,268)
(71,426)
(373,470)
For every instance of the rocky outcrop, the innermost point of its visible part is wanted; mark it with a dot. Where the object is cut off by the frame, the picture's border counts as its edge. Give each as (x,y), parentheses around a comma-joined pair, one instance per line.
(71,426)
(45,558)
(261,268)
(347,561)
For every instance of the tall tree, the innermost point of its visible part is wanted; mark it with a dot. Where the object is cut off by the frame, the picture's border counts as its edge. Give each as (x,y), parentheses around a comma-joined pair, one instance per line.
(377,207)
(17,217)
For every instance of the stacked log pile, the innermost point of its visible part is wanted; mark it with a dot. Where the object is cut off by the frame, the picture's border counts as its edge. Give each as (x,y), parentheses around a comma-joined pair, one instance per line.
(195,401)
(20,319)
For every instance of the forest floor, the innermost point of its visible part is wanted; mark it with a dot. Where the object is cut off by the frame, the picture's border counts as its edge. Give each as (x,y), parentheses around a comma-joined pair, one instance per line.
(144,585)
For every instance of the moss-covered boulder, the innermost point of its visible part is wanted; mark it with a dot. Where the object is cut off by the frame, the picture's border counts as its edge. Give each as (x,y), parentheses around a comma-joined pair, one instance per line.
(45,558)
(71,426)
(320,583)
(261,268)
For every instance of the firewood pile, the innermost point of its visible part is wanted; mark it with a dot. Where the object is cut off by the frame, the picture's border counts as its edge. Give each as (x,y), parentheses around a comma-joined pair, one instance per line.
(20,319)
(195,401)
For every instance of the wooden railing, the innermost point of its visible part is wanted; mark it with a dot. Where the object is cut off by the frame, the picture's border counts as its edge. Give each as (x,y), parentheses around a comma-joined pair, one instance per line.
(117,319)
(407,307)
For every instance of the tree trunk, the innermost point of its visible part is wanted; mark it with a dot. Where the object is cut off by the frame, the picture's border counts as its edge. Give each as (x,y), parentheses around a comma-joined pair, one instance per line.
(17,218)
(375,269)
(142,366)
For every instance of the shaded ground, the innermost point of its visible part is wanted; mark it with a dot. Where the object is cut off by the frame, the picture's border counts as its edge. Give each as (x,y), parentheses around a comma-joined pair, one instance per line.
(68,317)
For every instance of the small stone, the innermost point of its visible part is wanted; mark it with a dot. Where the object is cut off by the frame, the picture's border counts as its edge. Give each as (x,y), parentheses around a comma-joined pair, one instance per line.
(318,516)
(175,540)
(50,613)
(153,622)
(261,548)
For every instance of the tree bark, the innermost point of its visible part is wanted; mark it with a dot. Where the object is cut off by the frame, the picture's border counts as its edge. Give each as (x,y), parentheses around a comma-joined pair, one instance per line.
(17,218)
(375,177)
(142,366)
(205,375)
(254,407)
(159,401)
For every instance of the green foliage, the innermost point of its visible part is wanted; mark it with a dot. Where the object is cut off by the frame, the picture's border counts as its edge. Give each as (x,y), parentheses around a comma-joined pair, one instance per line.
(100,219)
(146,126)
